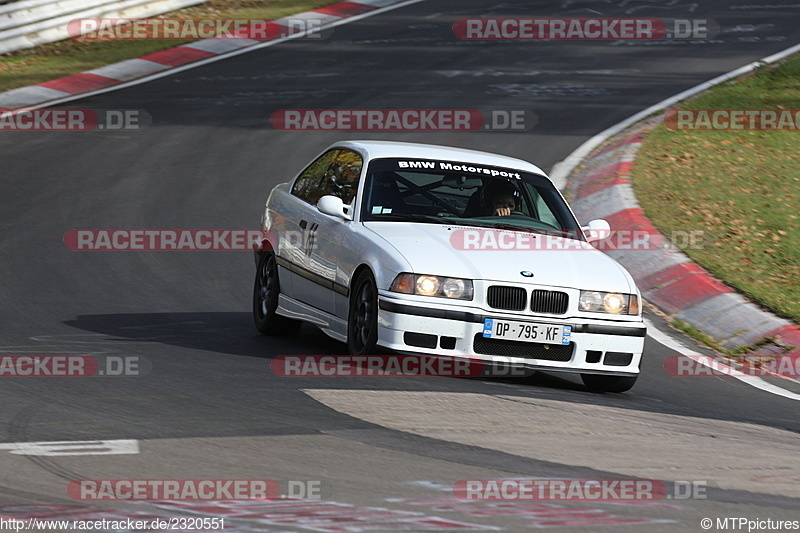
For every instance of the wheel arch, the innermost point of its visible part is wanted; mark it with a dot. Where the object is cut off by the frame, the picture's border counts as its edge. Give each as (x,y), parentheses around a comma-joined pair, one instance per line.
(357,272)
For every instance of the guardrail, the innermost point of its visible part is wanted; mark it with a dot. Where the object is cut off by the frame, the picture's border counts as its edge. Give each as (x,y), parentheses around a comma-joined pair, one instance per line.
(29,23)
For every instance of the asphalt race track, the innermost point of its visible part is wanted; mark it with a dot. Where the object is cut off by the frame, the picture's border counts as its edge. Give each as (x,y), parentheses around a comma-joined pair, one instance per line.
(385,451)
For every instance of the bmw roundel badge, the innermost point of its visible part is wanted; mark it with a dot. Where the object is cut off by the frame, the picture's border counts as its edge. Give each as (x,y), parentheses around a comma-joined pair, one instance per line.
(527,273)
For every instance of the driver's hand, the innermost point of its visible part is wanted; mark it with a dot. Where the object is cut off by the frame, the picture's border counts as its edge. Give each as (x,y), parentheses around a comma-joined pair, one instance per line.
(502,211)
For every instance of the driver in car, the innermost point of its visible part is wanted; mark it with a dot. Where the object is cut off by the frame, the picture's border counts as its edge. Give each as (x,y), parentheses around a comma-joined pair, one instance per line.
(500,198)
(503,204)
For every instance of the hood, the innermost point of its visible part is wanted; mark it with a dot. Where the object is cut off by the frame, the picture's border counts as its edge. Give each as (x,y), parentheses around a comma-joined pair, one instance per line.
(501,255)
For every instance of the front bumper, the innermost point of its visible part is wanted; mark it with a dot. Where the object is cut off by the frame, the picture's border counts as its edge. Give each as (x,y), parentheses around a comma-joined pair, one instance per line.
(597,346)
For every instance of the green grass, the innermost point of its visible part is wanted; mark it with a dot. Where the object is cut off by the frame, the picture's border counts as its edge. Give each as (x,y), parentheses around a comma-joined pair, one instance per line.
(740,188)
(55,60)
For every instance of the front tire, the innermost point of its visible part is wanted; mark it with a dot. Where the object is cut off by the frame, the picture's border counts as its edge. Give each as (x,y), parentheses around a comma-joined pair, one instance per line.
(362,318)
(265,299)
(600,383)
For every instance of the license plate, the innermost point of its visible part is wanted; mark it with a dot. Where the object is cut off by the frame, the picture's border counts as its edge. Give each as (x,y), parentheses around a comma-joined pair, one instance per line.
(526,331)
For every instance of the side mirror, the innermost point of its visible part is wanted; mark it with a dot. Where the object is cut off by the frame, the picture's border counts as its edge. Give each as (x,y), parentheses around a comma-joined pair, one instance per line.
(333,206)
(597,230)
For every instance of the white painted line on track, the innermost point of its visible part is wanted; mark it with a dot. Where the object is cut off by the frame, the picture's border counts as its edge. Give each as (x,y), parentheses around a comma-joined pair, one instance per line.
(714,363)
(71,448)
(213,59)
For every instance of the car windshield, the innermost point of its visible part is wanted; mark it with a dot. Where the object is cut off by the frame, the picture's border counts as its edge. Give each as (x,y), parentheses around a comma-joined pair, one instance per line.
(467,194)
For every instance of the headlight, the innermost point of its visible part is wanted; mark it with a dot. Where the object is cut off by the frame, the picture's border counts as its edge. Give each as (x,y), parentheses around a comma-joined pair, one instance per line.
(614,303)
(590,301)
(609,302)
(455,288)
(427,285)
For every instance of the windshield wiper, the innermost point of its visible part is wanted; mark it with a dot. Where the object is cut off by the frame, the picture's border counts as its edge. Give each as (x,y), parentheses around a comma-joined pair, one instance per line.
(416,218)
(512,227)
(504,225)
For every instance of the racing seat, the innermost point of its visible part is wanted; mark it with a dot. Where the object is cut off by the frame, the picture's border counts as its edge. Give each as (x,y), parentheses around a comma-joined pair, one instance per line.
(474,207)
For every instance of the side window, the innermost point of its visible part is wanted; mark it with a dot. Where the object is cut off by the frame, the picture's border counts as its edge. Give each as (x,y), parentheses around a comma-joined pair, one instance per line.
(308,185)
(341,178)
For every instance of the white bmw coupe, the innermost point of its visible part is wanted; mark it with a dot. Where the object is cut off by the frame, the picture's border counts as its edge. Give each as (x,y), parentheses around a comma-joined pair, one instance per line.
(435,250)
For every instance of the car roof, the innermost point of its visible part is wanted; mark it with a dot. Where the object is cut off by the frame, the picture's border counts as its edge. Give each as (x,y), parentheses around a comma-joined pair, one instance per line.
(380,149)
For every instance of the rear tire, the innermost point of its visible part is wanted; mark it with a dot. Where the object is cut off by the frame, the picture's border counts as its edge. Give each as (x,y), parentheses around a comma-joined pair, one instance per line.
(265,300)
(600,383)
(362,319)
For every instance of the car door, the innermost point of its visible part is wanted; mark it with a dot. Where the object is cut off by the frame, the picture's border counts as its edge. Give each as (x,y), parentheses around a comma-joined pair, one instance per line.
(310,252)
(296,234)
(340,180)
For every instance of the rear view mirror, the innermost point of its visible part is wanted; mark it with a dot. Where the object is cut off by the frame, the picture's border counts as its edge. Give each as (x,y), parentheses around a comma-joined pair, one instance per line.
(597,230)
(333,206)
